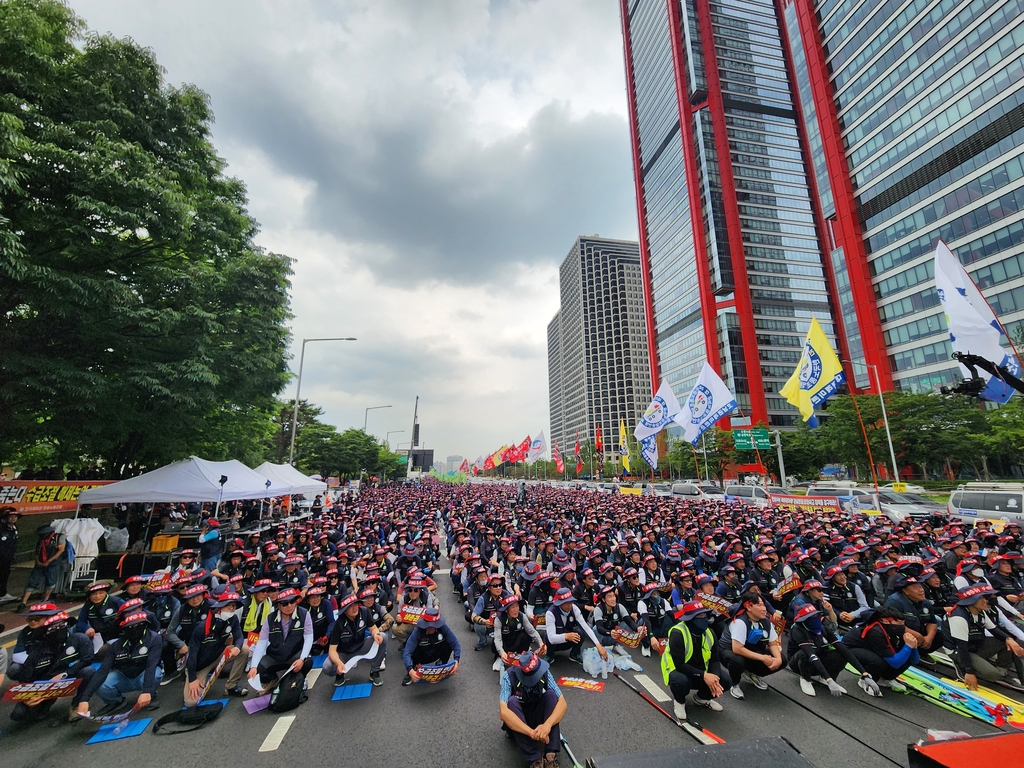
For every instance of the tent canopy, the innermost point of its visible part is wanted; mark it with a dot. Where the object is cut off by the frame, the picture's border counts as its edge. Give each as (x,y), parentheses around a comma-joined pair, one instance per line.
(193,479)
(287,475)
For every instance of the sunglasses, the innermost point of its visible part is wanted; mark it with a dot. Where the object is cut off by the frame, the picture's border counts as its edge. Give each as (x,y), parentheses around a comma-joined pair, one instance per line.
(288,602)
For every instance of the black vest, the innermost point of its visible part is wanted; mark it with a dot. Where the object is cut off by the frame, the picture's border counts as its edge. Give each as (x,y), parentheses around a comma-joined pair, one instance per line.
(513,637)
(279,647)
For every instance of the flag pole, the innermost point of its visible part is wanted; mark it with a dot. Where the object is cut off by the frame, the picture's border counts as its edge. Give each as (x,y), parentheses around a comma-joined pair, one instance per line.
(863,431)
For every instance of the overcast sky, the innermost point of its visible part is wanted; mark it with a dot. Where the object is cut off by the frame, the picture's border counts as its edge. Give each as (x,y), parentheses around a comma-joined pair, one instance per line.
(427,165)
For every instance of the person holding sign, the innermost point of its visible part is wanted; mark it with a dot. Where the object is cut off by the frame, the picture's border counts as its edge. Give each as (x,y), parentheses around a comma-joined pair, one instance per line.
(432,642)
(750,646)
(354,636)
(209,640)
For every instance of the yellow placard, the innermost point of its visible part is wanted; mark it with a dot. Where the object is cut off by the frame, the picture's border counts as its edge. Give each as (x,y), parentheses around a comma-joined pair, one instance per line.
(626,491)
(899,487)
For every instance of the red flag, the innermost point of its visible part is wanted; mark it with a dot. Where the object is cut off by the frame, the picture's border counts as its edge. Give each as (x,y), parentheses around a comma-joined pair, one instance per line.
(600,445)
(464,466)
(489,462)
(557,456)
(579,461)
(523,449)
(506,455)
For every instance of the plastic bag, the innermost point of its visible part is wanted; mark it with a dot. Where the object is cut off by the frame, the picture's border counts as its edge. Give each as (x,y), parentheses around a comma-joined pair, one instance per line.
(117,539)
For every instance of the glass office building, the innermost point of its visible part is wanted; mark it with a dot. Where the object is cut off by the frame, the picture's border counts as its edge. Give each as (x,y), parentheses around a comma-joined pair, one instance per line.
(798,158)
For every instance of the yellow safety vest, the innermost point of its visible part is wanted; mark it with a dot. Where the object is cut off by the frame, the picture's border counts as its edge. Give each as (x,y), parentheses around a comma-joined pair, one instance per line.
(667,663)
(254,617)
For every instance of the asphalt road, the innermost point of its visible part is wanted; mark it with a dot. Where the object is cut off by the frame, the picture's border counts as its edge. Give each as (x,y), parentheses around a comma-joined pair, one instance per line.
(456,723)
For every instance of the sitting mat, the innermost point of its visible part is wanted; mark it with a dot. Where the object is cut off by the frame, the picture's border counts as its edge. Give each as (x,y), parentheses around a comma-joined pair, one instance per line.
(346,692)
(131,728)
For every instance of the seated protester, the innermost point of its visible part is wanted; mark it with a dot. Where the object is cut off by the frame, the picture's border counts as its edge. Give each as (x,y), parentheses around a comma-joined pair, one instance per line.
(188,564)
(132,663)
(585,592)
(691,661)
(718,622)
(354,635)
(294,576)
(539,599)
(486,610)
(981,648)
(336,588)
(847,599)
(36,614)
(514,632)
(883,646)
(813,593)
(415,595)
(656,614)
(729,586)
(54,652)
(684,591)
(749,645)
(531,707)
(478,585)
(255,609)
(98,617)
(165,606)
(431,642)
(817,655)
(379,615)
(563,624)
(232,563)
(137,604)
(608,616)
(286,640)
(210,638)
(133,587)
(918,614)
(631,593)
(322,616)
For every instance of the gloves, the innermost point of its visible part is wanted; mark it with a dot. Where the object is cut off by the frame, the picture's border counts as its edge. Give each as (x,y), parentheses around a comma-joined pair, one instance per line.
(869,686)
(835,688)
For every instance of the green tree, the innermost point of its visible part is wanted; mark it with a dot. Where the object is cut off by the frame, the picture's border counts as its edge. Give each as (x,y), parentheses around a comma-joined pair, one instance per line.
(138,319)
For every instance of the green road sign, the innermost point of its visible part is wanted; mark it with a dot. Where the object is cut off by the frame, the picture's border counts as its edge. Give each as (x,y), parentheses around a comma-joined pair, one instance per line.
(749,439)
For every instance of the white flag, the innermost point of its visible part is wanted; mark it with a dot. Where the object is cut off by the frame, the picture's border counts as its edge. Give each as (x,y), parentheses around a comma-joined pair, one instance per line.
(479,463)
(649,450)
(973,327)
(659,413)
(537,448)
(709,401)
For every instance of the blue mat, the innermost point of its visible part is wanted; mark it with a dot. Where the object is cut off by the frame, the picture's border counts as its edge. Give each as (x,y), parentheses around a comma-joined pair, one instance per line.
(346,692)
(131,728)
(318,661)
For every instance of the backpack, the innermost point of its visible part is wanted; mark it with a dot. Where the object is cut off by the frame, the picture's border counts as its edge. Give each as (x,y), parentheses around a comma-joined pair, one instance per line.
(289,693)
(190,719)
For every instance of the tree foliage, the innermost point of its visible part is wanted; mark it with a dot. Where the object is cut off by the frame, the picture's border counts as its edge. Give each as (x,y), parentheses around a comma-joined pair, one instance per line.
(138,319)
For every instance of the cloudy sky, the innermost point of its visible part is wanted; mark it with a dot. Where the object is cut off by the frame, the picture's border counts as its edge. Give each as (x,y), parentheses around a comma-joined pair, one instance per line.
(427,164)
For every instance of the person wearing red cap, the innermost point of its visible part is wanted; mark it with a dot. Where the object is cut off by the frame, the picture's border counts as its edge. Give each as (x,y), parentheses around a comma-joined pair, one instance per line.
(981,648)
(132,664)
(286,640)
(750,645)
(354,635)
(531,706)
(565,625)
(692,661)
(513,632)
(210,545)
(98,616)
(432,642)
(816,654)
(220,631)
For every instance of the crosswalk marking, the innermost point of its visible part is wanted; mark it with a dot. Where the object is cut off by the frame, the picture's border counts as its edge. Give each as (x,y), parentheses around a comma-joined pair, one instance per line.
(654,689)
(277,733)
(312,677)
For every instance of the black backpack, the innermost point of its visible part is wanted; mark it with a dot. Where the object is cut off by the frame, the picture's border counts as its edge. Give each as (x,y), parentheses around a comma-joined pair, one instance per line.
(190,719)
(289,693)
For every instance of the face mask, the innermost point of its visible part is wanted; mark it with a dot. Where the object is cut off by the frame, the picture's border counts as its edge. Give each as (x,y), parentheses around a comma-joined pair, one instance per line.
(698,625)
(894,631)
(226,615)
(814,625)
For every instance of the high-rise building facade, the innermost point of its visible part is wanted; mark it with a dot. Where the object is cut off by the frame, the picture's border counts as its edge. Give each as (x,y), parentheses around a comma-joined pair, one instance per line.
(452,463)
(914,114)
(597,344)
(796,158)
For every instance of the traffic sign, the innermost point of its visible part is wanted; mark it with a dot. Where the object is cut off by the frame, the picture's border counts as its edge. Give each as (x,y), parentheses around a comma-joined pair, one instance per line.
(749,439)
(899,487)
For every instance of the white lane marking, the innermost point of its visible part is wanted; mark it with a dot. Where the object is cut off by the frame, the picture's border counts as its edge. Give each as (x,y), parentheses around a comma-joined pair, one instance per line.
(654,689)
(277,733)
(312,677)
(443,572)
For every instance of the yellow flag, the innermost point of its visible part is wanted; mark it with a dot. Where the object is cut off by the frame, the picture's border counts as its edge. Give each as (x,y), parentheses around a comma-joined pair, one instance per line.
(817,376)
(623,446)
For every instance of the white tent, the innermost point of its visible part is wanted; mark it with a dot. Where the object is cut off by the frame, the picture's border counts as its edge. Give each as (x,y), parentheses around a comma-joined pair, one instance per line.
(288,476)
(193,479)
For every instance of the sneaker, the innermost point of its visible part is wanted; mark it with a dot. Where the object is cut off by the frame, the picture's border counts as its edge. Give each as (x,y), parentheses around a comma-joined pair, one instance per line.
(8,599)
(551,760)
(680,710)
(168,679)
(711,704)
(375,678)
(339,680)
(576,659)
(479,646)
(153,705)
(807,687)
(736,692)
(22,607)
(406,680)
(383,664)
(645,651)
(237,691)
(894,685)
(109,709)
(757,682)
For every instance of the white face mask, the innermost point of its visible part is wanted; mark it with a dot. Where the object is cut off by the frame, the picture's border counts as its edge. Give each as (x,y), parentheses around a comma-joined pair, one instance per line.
(226,614)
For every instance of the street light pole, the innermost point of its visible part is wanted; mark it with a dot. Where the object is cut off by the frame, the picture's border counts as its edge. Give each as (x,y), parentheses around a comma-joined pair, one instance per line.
(387,439)
(298,389)
(885,417)
(366,414)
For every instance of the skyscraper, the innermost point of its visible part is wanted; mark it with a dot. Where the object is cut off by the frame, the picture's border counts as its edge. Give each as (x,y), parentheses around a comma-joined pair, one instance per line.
(597,344)
(796,159)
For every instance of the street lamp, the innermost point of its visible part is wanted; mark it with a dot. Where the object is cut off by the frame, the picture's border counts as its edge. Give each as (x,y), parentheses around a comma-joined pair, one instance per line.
(366,414)
(387,438)
(298,389)
(885,416)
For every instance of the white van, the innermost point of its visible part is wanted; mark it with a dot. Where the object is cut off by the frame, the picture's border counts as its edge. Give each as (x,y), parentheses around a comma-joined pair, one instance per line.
(697,491)
(751,494)
(992,501)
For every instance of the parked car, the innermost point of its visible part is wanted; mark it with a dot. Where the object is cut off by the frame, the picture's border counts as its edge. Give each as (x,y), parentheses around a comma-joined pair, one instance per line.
(992,501)
(911,488)
(751,494)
